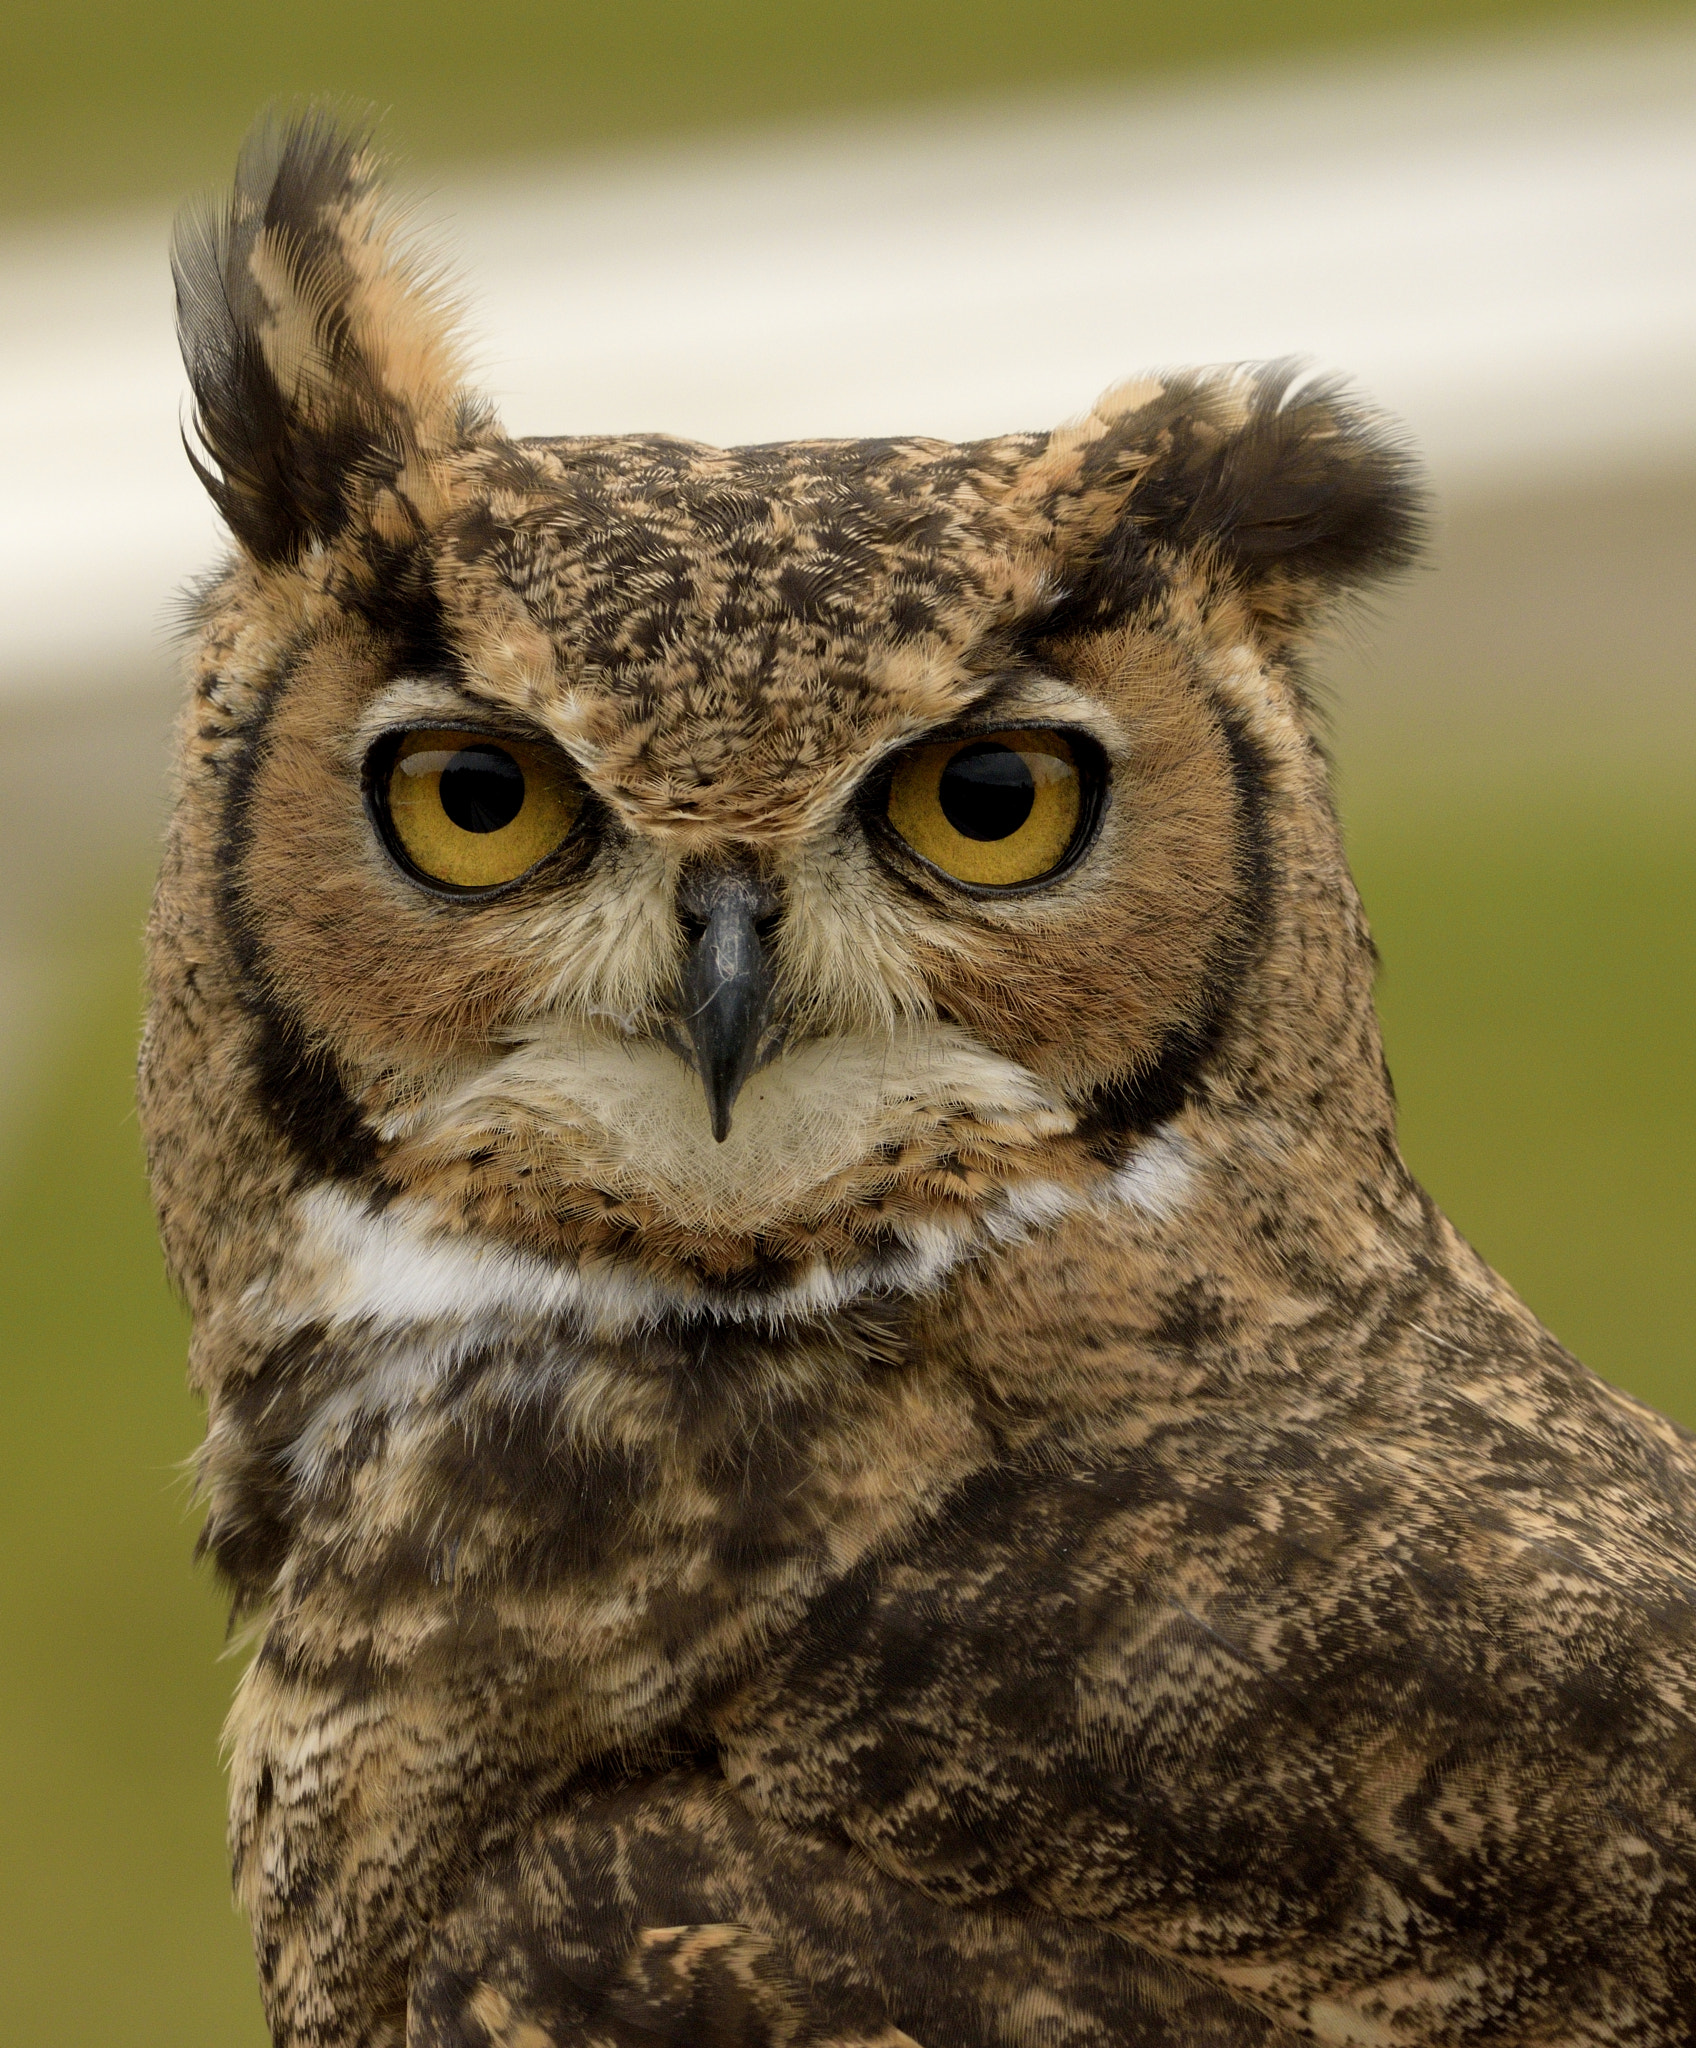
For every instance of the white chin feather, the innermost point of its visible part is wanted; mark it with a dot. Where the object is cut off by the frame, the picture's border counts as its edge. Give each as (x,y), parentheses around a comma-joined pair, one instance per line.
(638,1115)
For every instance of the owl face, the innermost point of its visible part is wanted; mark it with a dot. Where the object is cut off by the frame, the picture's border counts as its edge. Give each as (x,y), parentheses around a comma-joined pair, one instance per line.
(739,877)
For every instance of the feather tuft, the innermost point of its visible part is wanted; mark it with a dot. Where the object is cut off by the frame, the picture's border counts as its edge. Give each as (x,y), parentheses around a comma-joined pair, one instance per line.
(328,379)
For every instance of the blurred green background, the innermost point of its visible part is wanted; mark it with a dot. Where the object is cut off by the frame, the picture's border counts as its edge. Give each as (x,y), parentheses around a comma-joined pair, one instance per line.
(1516,781)
(120,99)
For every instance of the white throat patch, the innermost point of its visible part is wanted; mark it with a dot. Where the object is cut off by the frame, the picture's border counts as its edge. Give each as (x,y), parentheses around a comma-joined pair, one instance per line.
(394,1268)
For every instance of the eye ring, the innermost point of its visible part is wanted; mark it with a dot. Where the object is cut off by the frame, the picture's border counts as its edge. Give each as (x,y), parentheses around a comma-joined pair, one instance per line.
(1080,749)
(470,812)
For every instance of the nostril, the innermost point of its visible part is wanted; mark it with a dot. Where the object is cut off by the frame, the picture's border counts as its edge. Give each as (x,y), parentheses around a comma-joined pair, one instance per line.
(694,926)
(766,927)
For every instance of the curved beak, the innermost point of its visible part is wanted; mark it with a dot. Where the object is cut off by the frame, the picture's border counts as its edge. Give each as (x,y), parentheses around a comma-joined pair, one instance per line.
(726,982)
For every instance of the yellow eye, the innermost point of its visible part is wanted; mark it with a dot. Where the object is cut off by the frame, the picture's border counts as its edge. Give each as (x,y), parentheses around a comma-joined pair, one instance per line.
(471,812)
(996,810)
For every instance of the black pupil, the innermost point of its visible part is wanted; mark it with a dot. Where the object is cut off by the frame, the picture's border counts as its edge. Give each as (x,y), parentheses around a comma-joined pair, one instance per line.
(987,791)
(482,789)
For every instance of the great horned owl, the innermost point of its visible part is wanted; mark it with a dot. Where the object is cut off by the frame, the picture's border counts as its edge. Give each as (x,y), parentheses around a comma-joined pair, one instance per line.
(844,1419)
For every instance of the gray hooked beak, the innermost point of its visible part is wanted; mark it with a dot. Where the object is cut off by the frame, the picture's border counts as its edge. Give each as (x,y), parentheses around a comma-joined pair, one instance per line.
(726,981)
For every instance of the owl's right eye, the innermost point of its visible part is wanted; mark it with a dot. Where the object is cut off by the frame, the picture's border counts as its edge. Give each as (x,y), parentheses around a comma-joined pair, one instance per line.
(466,810)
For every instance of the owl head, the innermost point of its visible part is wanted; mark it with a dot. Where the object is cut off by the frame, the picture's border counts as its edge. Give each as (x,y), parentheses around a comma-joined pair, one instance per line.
(664,878)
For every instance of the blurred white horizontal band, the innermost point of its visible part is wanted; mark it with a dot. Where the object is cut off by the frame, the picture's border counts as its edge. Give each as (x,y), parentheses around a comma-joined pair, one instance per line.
(1499,249)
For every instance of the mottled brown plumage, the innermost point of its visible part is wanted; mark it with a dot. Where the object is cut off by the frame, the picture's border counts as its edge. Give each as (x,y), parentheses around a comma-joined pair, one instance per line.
(1044,1535)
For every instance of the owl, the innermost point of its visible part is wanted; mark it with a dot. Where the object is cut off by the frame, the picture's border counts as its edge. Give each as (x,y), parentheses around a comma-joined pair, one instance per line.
(832,1407)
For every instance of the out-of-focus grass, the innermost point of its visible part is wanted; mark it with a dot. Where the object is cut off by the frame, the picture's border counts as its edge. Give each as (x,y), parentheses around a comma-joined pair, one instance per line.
(115,1920)
(1540,973)
(1539,981)
(125,99)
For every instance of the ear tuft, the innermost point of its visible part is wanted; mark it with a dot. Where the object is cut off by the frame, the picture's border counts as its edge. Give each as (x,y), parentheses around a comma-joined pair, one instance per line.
(327,378)
(1281,484)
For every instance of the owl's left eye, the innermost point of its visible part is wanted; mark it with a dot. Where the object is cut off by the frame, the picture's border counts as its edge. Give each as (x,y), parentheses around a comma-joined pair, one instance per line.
(997,811)
(465,810)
